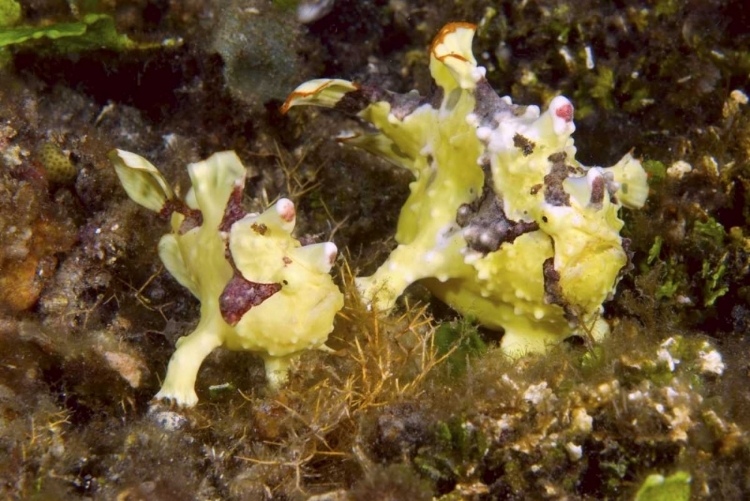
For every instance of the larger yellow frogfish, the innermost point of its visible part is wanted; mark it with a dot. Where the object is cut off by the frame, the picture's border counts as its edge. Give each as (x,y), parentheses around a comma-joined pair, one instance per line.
(502,222)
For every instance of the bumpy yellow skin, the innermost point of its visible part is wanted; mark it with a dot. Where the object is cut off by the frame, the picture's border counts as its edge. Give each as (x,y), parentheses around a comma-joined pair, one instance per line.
(538,263)
(213,244)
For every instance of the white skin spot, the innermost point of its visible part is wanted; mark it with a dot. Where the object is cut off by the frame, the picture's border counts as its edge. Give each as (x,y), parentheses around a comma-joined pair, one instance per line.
(478,73)
(285,210)
(484,133)
(331,251)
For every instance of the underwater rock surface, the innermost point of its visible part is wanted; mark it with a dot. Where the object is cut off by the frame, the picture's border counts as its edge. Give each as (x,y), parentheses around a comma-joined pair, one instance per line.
(418,403)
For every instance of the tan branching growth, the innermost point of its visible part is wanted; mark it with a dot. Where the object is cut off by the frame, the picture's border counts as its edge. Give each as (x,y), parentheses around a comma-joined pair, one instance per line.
(393,354)
(380,360)
(299,181)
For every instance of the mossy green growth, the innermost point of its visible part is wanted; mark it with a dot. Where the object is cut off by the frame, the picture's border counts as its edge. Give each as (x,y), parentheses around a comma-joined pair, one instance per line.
(669,285)
(713,288)
(710,237)
(667,7)
(593,360)
(483,28)
(640,99)
(655,250)
(675,487)
(604,85)
(10,12)
(709,233)
(709,241)
(94,31)
(655,170)
(286,4)
(461,341)
(457,449)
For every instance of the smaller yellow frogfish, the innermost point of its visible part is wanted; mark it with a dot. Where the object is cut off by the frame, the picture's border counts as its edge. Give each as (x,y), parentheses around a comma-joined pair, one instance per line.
(260,290)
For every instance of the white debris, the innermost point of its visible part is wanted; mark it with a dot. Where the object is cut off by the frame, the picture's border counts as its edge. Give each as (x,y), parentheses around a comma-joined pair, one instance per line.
(168,420)
(575,452)
(536,393)
(678,169)
(712,362)
(581,420)
(309,11)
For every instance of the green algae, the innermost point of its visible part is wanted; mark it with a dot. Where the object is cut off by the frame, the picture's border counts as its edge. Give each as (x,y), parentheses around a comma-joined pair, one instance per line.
(10,12)
(675,487)
(92,32)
